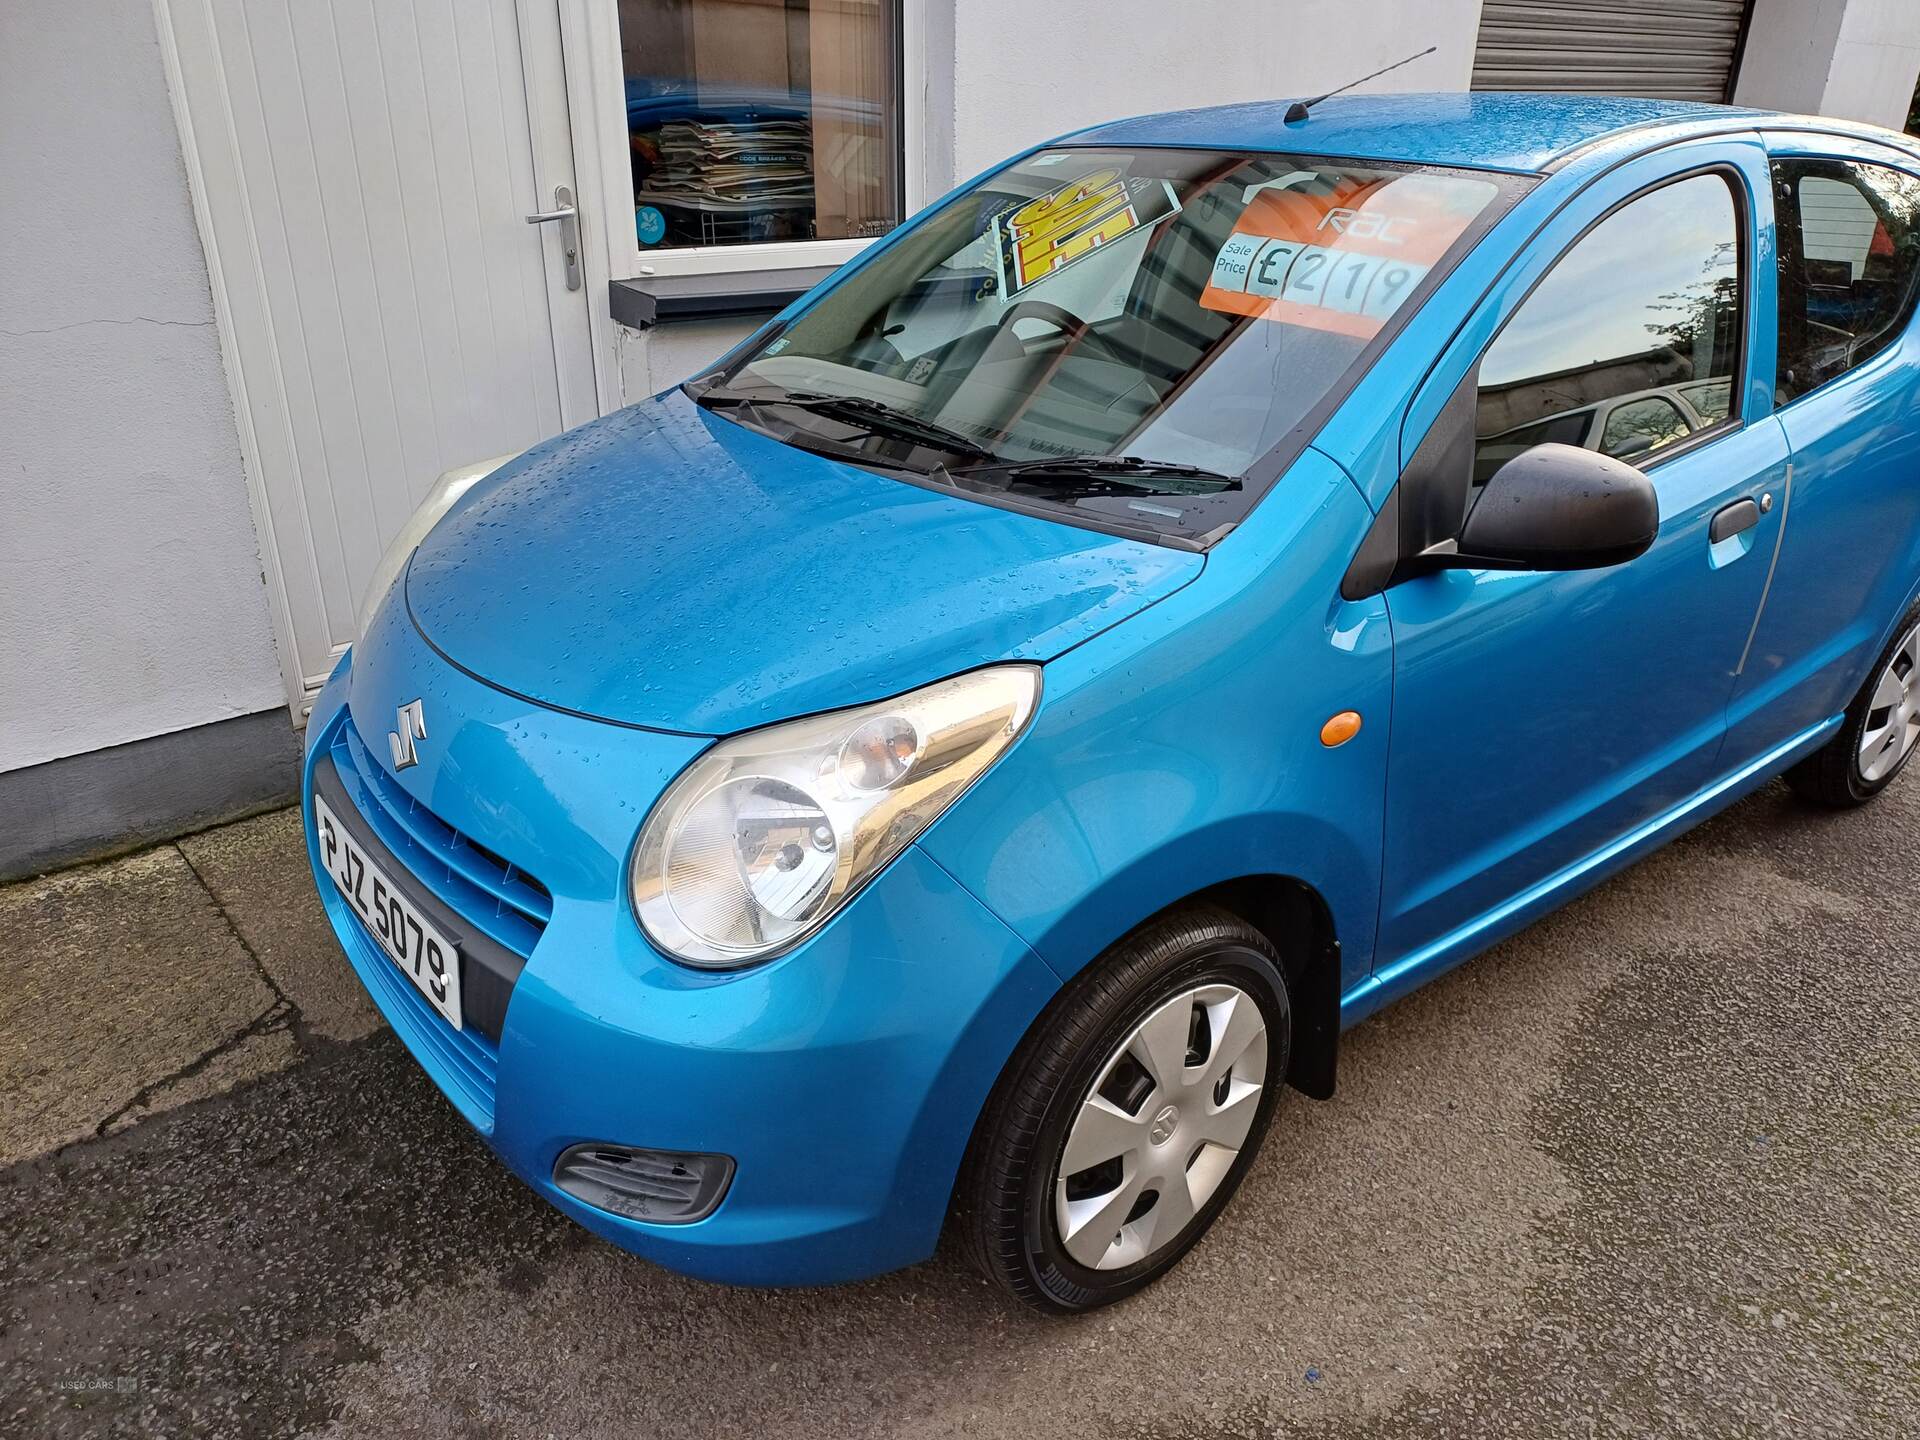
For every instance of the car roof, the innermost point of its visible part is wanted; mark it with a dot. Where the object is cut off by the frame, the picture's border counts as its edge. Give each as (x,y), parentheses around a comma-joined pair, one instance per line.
(1488,129)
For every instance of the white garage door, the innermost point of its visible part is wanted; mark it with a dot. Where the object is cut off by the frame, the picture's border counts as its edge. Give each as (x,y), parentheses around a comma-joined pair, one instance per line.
(362,173)
(1670,49)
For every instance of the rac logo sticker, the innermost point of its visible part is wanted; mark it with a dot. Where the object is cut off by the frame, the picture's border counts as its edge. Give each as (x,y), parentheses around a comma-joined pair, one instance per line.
(1387,229)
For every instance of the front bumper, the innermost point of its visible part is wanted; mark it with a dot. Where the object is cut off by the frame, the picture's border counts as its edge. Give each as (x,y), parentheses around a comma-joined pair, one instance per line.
(843,1079)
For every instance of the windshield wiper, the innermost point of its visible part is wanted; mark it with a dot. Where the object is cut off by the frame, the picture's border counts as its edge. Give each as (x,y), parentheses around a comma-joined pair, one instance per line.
(1077,469)
(872,416)
(884,419)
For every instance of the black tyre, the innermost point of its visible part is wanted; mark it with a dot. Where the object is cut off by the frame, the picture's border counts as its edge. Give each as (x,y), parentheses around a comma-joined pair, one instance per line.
(1882,726)
(1128,1117)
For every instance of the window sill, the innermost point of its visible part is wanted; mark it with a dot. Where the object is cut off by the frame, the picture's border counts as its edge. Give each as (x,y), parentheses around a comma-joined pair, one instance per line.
(658,299)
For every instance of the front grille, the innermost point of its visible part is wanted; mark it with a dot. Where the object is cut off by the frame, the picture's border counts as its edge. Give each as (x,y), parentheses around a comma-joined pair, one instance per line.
(508,904)
(495,912)
(464,1062)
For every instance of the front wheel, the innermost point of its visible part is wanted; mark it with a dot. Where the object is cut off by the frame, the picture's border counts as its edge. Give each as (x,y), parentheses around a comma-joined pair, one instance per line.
(1881,729)
(1130,1115)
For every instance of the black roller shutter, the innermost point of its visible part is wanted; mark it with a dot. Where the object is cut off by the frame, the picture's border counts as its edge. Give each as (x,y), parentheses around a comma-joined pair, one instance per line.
(1671,49)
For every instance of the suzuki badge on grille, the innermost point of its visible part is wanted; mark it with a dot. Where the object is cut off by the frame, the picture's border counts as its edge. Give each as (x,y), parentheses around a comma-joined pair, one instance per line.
(413,726)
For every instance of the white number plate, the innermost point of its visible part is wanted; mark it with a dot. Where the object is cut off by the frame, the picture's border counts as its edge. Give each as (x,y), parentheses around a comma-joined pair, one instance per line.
(426,956)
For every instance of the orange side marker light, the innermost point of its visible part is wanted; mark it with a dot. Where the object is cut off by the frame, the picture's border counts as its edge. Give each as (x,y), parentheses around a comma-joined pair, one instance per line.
(1340,729)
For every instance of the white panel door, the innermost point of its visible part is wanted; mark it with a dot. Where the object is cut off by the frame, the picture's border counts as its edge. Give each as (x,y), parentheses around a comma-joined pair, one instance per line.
(362,172)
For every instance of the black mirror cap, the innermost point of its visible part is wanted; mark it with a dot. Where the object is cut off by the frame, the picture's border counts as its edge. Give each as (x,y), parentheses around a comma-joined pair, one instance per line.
(1559,507)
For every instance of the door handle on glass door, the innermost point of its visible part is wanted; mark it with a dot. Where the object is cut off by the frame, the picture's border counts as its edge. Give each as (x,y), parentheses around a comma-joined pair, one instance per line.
(569,221)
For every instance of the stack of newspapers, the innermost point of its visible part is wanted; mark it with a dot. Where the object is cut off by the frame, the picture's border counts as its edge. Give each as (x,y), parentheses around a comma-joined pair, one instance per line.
(732,167)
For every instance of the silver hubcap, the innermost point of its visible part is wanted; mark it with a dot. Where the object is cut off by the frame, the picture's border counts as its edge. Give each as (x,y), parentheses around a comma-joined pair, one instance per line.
(1161,1127)
(1893,717)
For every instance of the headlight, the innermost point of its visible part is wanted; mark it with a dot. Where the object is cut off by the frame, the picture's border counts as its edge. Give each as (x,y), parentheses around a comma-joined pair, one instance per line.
(447,489)
(768,834)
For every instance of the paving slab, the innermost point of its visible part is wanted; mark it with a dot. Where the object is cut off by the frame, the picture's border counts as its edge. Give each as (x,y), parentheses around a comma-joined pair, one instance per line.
(126,993)
(258,871)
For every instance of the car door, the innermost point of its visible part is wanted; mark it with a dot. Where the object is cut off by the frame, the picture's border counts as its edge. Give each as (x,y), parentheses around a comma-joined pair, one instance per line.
(1848,220)
(1541,719)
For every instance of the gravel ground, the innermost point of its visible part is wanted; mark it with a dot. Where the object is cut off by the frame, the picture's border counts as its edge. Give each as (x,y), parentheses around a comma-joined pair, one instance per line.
(1650,1168)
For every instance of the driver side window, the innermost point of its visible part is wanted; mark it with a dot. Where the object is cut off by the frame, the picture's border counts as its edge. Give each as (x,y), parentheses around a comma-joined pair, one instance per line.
(1630,341)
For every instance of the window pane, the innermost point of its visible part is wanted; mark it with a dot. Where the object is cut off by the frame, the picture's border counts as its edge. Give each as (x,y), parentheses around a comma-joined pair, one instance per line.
(1644,309)
(1849,246)
(752,121)
(1172,305)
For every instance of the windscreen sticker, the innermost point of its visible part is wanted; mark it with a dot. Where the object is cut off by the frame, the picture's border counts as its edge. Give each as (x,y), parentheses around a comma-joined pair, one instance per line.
(1050,232)
(1341,259)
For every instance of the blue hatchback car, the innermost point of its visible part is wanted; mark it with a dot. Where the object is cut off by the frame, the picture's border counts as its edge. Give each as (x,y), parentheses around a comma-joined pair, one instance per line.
(960,757)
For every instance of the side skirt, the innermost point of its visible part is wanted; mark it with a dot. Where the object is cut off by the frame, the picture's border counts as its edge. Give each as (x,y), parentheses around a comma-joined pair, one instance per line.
(1410,973)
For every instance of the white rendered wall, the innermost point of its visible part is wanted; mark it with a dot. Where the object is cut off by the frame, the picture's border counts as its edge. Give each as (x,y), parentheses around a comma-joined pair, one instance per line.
(1026,71)
(131,602)
(1855,59)
(651,360)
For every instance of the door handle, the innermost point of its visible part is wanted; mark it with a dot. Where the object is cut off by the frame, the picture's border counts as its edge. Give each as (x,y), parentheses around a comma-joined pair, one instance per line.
(568,219)
(1730,520)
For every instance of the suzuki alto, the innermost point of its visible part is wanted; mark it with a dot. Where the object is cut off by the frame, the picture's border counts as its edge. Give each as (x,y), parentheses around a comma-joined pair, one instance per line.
(959,758)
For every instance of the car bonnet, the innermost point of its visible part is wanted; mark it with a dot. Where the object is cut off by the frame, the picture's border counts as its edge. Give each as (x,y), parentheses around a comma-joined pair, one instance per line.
(666,567)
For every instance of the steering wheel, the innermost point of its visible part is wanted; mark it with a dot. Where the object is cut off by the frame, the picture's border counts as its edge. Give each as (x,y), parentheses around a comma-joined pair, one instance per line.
(1058,316)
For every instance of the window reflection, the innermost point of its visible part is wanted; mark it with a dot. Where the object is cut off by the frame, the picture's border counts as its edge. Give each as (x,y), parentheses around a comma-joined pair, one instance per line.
(1629,342)
(1175,305)
(1634,427)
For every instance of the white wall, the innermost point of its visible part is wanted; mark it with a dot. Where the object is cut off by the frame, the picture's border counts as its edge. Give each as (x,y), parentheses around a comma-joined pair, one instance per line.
(1007,73)
(1782,67)
(131,602)
(651,360)
(1024,71)
(1855,59)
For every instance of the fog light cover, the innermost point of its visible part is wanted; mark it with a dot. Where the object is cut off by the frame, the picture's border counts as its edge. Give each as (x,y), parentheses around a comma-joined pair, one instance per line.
(661,1187)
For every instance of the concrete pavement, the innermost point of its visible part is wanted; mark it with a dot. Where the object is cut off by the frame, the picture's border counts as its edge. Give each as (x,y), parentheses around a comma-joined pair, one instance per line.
(1652,1167)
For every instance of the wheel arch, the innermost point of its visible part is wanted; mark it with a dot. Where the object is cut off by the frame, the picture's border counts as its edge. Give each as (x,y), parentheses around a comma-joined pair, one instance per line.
(1297,921)
(1299,925)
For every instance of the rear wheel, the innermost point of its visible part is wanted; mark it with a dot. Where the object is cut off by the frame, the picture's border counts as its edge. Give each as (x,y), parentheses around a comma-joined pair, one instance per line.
(1129,1117)
(1880,733)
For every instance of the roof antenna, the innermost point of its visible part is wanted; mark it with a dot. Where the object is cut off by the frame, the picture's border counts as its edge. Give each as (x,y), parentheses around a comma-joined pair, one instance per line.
(1299,108)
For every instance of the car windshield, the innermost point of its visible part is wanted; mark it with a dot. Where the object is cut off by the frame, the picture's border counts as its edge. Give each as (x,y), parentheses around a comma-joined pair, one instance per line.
(1119,333)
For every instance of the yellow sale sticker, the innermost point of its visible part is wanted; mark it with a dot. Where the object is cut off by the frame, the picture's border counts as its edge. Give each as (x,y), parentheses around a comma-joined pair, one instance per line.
(1048,233)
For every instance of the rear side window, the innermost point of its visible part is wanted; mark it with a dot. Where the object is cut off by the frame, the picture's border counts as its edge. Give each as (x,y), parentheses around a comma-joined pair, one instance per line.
(1631,340)
(1849,265)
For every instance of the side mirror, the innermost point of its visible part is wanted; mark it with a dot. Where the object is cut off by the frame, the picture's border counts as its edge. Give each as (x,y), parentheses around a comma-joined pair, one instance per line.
(1557,507)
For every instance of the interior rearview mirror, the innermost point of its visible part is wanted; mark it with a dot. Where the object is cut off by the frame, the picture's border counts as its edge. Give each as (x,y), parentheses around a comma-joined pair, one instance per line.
(1557,507)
